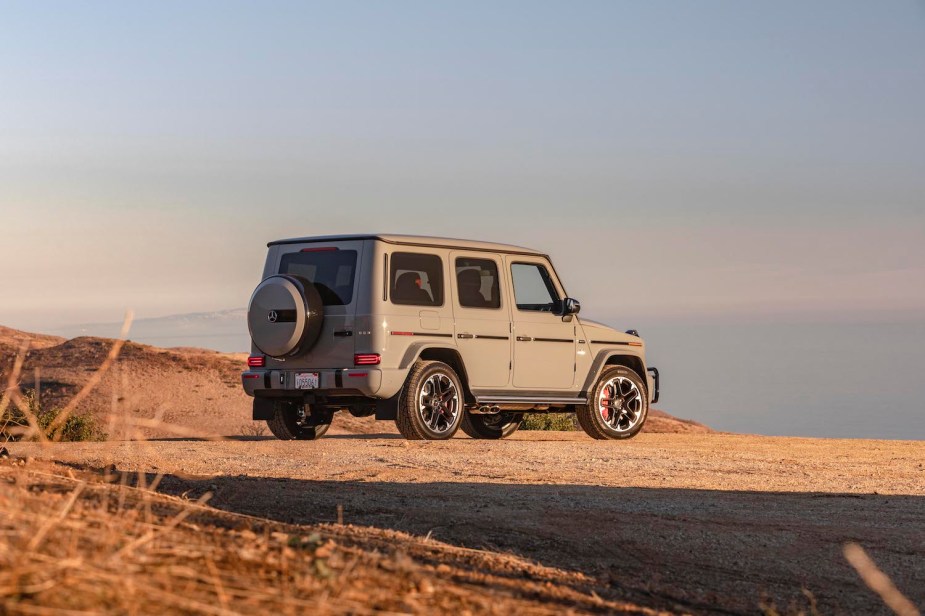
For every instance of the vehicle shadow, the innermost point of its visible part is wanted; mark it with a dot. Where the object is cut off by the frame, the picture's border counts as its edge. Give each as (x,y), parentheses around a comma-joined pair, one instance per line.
(367,436)
(706,551)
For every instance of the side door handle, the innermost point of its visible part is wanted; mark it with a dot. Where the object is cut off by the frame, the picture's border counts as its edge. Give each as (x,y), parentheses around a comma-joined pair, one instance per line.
(524,339)
(465,336)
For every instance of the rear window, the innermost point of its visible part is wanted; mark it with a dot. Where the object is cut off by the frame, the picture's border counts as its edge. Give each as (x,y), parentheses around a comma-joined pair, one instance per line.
(331,271)
(416,279)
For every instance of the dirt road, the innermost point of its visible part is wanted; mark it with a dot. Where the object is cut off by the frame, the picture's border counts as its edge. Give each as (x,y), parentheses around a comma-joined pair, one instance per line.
(710,523)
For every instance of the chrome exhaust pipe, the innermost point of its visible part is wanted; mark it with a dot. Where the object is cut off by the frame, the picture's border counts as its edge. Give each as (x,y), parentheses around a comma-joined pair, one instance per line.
(485,409)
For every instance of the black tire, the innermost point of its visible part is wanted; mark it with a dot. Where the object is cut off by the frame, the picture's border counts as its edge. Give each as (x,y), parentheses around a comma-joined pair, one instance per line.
(288,425)
(626,417)
(421,416)
(501,425)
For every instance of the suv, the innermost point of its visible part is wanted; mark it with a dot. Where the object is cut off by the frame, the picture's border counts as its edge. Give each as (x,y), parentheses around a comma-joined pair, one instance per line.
(435,334)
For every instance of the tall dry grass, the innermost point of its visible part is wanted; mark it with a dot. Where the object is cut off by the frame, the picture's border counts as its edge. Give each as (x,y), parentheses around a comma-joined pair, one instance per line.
(878,581)
(118,548)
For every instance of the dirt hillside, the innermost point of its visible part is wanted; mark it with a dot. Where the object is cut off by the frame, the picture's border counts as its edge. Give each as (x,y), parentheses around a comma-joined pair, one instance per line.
(197,389)
(11,340)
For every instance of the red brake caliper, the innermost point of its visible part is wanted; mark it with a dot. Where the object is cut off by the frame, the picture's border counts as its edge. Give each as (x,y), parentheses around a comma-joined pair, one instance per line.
(605,404)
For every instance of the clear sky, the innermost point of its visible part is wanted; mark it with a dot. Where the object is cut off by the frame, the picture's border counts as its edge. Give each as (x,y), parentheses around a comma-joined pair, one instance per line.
(743,181)
(678,159)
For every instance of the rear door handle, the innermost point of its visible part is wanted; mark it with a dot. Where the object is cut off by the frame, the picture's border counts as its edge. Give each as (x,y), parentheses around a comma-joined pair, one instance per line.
(465,336)
(524,339)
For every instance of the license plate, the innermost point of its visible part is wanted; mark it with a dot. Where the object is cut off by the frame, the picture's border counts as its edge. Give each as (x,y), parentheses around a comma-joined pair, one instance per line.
(306,380)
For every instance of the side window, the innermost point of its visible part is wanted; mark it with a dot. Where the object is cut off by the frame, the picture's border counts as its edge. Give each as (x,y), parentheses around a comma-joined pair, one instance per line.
(416,279)
(477,283)
(533,288)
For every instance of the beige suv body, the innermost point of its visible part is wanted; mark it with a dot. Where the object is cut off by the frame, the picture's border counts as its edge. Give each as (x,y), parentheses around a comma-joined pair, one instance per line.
(436,334)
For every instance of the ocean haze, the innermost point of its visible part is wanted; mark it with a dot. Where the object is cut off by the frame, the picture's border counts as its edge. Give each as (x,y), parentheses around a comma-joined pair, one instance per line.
(222,330)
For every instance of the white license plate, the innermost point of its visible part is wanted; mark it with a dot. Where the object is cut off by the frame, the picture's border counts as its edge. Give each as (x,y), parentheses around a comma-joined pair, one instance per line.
(306,380)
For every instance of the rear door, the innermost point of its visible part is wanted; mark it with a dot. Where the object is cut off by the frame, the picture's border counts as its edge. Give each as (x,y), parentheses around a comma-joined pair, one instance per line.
(544,344)
(483,318)
(335,269)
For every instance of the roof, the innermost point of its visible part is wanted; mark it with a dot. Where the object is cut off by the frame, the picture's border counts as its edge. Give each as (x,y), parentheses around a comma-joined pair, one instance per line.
(414,240)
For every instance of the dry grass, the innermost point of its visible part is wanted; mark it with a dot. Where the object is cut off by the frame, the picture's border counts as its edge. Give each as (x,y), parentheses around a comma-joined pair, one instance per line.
(72,541)
(878,581)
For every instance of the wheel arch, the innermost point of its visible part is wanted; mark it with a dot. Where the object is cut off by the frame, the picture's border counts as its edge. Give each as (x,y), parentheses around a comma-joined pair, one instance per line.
(613,357)
(446,353)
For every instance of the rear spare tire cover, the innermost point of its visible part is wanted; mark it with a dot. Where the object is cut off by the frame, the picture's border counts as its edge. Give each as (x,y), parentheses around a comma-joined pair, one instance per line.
(284,316)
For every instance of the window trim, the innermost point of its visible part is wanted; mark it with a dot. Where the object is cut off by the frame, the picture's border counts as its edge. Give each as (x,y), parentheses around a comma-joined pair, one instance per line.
(498,269)
(390,259)
(549,277)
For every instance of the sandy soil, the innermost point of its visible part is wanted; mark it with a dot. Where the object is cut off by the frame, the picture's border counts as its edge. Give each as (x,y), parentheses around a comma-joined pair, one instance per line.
(698,522)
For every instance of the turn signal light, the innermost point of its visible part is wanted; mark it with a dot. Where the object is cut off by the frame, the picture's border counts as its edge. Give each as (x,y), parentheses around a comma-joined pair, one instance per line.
(256,361)
(366,359)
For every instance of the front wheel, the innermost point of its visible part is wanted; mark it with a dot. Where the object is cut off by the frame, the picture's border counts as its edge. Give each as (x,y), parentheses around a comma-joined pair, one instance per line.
(297,422)
(617,407)
(499,425)
(431,403)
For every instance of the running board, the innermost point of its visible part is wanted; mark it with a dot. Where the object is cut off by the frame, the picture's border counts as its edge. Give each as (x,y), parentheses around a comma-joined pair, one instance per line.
(529,400)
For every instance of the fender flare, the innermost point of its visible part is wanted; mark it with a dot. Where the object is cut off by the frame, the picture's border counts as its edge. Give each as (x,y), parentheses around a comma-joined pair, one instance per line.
(601,360)
(415,350)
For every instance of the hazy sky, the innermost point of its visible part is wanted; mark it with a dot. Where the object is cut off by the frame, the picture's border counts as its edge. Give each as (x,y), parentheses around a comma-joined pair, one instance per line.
(679,160)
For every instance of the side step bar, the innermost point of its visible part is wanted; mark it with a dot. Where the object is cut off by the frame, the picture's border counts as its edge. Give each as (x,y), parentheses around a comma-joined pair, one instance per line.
(529,400)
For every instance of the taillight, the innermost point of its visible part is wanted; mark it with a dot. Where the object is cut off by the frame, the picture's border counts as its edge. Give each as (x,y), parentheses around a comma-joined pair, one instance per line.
(256,361)
(320,249)
(366,359)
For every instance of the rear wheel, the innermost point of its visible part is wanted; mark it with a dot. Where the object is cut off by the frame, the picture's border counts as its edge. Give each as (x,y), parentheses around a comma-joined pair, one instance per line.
(298,422)
(431,403)
(499,425)
(618,406)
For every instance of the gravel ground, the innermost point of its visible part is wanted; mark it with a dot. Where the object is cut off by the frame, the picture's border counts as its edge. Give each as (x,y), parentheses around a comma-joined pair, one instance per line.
(711,522)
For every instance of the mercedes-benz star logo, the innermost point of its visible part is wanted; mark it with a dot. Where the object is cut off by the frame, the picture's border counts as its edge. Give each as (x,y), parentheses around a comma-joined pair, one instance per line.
(272,316)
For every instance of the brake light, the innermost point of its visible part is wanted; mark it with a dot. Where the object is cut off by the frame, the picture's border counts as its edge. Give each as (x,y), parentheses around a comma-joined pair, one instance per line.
(320,249)
(256,361)
(366,359)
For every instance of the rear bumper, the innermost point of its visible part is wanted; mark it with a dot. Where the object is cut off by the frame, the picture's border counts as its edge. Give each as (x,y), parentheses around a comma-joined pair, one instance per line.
(369,382)
(654,383)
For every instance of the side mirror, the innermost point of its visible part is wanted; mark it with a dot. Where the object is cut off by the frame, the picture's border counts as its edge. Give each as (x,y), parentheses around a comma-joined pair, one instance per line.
(570,306)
